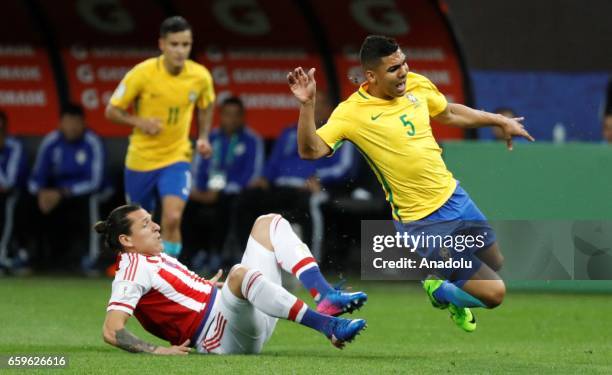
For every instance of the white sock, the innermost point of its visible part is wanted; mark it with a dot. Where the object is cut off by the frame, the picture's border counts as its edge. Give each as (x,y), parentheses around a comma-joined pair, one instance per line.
(291,253)
(270,298)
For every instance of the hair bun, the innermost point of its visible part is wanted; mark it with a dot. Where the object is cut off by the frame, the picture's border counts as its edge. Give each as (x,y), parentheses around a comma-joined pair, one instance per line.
(101,227)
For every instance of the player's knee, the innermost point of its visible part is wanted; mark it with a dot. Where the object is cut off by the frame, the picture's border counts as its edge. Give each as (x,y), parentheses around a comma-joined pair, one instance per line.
(261,230)
(495,294)
(235,278)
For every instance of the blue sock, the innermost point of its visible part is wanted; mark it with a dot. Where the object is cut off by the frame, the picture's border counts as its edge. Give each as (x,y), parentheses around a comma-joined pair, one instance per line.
(450,293)
(317,321)
(172,248)
(315,283)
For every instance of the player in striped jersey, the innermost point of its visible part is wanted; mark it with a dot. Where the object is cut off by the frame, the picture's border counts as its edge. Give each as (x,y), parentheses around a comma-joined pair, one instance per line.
(177,305)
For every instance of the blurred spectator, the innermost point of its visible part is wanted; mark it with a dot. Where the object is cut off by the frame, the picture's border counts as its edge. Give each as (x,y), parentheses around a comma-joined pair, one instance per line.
(292,186)
(607,128)
(13,170)
(237,159)
(67,175)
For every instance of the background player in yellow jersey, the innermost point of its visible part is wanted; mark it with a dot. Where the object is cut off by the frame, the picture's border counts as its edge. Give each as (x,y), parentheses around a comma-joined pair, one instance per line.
(388,120)
(162,92)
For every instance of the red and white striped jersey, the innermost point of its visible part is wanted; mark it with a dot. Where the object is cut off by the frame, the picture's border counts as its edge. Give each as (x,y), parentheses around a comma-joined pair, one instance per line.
(167,298)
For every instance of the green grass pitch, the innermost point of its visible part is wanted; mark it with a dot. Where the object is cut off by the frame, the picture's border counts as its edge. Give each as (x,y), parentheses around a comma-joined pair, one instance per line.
(530,333)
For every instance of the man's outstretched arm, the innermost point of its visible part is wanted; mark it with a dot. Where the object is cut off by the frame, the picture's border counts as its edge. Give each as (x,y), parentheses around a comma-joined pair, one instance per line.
(116,334)
(466,117)
(304,87)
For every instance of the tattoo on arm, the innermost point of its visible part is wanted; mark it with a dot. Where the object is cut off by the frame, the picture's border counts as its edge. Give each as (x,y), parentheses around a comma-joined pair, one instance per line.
(127,341)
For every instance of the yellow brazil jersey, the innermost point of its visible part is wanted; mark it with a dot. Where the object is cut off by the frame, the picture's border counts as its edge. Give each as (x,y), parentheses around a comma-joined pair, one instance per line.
(395,138)
(156,93)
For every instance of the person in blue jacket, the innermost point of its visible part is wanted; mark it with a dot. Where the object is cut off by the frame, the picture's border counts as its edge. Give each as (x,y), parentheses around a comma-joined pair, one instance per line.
(237,160)
(295,187)
(13,175)
(68,174)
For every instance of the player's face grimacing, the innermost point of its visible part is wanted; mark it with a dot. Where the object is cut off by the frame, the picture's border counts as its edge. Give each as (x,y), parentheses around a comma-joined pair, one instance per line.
(145,237)
(391,74)
(176,48)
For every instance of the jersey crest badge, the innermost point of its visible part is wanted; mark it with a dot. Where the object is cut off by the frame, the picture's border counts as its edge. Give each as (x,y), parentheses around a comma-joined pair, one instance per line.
(413,99)
(192,96)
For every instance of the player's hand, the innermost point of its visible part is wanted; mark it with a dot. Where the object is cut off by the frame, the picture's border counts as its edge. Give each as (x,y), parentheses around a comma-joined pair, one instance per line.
(215,279)
(512,127)
(149,126)
(302,85)
(182,349)
(204,148)
(48,199)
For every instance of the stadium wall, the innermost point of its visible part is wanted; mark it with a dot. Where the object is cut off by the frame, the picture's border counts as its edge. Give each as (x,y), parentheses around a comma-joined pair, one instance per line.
(75,51)
(543,35)
(574,101)
(539,181)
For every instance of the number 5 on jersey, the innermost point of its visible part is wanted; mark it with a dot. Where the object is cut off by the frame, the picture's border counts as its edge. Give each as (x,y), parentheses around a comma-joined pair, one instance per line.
(409,123)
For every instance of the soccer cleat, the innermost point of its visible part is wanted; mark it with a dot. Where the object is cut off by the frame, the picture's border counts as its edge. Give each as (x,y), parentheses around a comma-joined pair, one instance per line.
(345,330)
(463,317)
(431,284)
(338,302)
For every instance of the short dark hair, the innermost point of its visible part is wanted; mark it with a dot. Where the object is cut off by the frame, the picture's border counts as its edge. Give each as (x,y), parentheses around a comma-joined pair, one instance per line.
(174,24)
(233,100)
(72,109)
(3,122)
(116,224)
(374,48)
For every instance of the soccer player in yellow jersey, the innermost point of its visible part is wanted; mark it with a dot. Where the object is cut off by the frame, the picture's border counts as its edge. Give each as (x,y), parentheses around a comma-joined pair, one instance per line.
(162,92)
(388,120)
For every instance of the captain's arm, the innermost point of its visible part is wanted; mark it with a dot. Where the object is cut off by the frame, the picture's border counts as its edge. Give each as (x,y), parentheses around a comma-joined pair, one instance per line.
(115,333)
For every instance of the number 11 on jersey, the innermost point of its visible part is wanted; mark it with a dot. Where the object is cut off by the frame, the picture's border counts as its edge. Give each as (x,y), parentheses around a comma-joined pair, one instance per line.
(173,114)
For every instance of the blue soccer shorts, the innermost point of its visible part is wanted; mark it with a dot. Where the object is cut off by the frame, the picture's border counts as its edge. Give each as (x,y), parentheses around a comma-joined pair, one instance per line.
(457,230)
(144,188)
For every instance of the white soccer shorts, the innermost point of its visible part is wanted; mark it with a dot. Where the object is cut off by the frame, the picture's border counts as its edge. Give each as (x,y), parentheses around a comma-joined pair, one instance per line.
(235,326)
